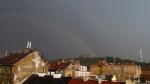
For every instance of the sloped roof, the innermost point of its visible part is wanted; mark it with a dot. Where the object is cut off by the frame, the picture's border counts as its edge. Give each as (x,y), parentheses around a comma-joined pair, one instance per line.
(55,66)
(108,82)
(90,82)
(12,58)
(35,79)
(146,77)
(145,68)
(63,65)
(80,81)
(75,81)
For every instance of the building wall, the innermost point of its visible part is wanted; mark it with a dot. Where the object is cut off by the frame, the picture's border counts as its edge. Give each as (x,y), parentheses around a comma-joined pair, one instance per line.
(6,75)
(27,66)
(83,68)
(122,72)
(132,71)
(76,66)
(106,69)
(68,72)
(95,70)
(81,74)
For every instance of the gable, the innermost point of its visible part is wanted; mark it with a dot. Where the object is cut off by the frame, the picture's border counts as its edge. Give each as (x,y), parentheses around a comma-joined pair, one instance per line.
(13,58)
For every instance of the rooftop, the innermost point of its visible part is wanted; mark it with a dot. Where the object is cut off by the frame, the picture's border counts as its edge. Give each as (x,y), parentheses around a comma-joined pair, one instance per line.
(56,66)
(15,57)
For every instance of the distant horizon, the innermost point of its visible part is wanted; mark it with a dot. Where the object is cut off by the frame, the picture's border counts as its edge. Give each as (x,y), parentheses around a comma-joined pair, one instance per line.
(82,55)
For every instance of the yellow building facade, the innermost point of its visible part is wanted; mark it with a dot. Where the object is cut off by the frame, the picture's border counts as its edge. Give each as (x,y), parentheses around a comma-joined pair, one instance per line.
(17,67)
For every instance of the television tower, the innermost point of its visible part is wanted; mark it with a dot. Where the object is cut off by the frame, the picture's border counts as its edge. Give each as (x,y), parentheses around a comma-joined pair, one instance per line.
(141,56)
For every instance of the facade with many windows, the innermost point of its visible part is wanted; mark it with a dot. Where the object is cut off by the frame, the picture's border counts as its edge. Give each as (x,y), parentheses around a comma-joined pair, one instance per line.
(18,66)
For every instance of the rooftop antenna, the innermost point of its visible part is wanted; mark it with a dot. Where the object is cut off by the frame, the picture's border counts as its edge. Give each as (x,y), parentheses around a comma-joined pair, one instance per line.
(105,59)
(122,59)
(141,56)
(28,44)
(114,60)
(6,53)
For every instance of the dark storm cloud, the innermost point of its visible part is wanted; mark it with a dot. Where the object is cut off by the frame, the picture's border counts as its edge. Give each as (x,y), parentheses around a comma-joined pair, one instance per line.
(66,28)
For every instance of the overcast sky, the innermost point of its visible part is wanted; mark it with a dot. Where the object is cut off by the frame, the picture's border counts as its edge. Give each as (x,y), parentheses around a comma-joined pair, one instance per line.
(68,28)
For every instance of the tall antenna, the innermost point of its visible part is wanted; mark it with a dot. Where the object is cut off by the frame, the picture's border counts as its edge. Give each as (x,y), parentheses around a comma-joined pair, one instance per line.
(122,59)
(28,44)
(141,56)
(105,59)
(6,53)
(114,60)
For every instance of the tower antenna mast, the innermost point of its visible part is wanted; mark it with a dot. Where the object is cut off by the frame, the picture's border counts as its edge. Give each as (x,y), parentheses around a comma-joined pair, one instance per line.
(141,56)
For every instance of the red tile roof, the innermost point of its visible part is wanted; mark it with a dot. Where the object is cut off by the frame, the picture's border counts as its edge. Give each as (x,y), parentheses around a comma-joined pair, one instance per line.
(79,81)
(101,63)
(145,68)
(75,81)
(55,66)
(14,57)
(108,82)
(63,65)
(90,82)
(146,77)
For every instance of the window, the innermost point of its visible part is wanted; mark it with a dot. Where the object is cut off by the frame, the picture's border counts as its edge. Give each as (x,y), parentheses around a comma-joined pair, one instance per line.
(5,69)
(8,69)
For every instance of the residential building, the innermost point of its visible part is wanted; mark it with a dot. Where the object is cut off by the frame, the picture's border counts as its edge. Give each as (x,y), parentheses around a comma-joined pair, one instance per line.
(82,72)
(64,68)
(121,71)
(20,65)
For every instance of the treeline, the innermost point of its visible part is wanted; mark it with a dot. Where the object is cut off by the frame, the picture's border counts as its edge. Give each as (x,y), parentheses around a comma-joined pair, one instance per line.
(87,61)
(109,59)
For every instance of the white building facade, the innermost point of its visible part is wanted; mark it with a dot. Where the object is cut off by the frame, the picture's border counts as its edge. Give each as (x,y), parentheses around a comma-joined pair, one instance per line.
(82,72)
